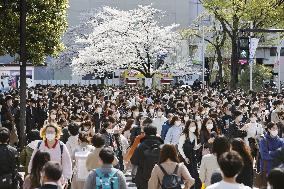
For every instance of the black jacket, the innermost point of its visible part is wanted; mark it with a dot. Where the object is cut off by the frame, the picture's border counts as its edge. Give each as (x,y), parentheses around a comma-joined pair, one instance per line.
(278,158)
(234,131)
(97,118)
(246,174)
(8,160)
(145,164)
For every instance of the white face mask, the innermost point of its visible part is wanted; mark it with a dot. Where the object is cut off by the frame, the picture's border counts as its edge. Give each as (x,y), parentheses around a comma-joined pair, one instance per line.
(135,114)
(177,123)
(123,122)
(209,126)
(118,115)
(186,119)
(110,131)
(197,118)
(192,129)
(151,111)
(50,137)
(274,133)
(100,110)
(159,114)
(53,116)
(199,125)
(253,119)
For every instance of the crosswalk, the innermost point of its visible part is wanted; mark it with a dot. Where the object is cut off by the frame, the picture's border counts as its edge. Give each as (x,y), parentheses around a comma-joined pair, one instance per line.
(129,183)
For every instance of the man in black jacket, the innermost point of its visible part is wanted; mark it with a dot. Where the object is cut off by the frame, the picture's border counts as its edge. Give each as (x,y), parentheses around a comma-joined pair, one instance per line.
(52,172)
(97,117)
(9,177)
(146,156)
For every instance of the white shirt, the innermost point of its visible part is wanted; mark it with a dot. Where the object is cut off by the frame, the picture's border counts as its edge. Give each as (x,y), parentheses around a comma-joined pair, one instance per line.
(55,155)
(173,135)
(254,130)
(159,122)
(72,143)
(226,185)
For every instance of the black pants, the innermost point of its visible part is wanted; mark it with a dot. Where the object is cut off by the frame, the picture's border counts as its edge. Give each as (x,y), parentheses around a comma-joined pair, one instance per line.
(192,169)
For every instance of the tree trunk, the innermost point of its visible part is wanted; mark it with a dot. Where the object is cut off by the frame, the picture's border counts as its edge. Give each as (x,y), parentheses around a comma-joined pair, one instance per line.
(234,63)
(23,76)
(220,71)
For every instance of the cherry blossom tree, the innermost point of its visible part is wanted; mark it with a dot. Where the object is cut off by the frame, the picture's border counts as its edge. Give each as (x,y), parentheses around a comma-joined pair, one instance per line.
(121,40)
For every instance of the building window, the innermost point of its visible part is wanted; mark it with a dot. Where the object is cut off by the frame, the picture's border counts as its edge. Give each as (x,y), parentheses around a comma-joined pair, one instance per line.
(273,51)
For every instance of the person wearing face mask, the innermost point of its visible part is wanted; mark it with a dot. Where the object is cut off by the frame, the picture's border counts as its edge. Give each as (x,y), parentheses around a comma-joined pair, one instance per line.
(274,114)
(7,109)
(41,114)
(151,112)
(268,146)
(97,117)
(57,150)
(198,122)
(226,118)
(254,131)
(174,132)
(135,112)
(51,118)
(166,126)
(236,128)
(187,147)
(159,120)
(30,115)
(207,134)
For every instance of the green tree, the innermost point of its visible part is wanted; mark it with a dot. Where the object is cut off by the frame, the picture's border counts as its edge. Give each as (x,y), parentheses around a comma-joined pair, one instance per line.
(260,74)
(46,22)
(217,39)
(236,14)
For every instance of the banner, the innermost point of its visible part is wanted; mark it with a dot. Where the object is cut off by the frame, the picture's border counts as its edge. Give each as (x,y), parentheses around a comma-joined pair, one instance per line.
(253,47)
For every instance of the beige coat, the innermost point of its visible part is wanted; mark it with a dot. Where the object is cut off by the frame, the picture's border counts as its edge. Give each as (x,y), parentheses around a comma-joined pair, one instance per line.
(93,160)
(208,165)
(157,175)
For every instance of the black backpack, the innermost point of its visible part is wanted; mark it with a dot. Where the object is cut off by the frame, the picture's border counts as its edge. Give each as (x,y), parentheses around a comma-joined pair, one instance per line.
(151,157)
(170,181)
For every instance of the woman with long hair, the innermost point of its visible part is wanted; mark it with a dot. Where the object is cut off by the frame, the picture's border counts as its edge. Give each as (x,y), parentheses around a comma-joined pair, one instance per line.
(126,130)
(205,132)
(187,147)
(52,115)
(32,180)
(170,163)
(246,175)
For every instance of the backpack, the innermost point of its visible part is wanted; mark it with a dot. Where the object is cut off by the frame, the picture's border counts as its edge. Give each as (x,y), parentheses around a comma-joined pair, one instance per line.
(107,180)
(170,181)
(61,148)
(8,167)
(151,156)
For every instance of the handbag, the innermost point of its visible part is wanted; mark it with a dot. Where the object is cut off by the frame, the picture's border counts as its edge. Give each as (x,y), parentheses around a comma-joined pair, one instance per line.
(6,180)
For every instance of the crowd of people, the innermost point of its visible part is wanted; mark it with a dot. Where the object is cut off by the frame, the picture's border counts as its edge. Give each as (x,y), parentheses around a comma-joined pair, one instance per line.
(90,137)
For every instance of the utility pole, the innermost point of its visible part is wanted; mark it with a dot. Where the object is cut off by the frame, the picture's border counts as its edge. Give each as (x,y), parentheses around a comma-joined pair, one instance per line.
(23,62)
(203,57)
(250,60)
(278,61)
